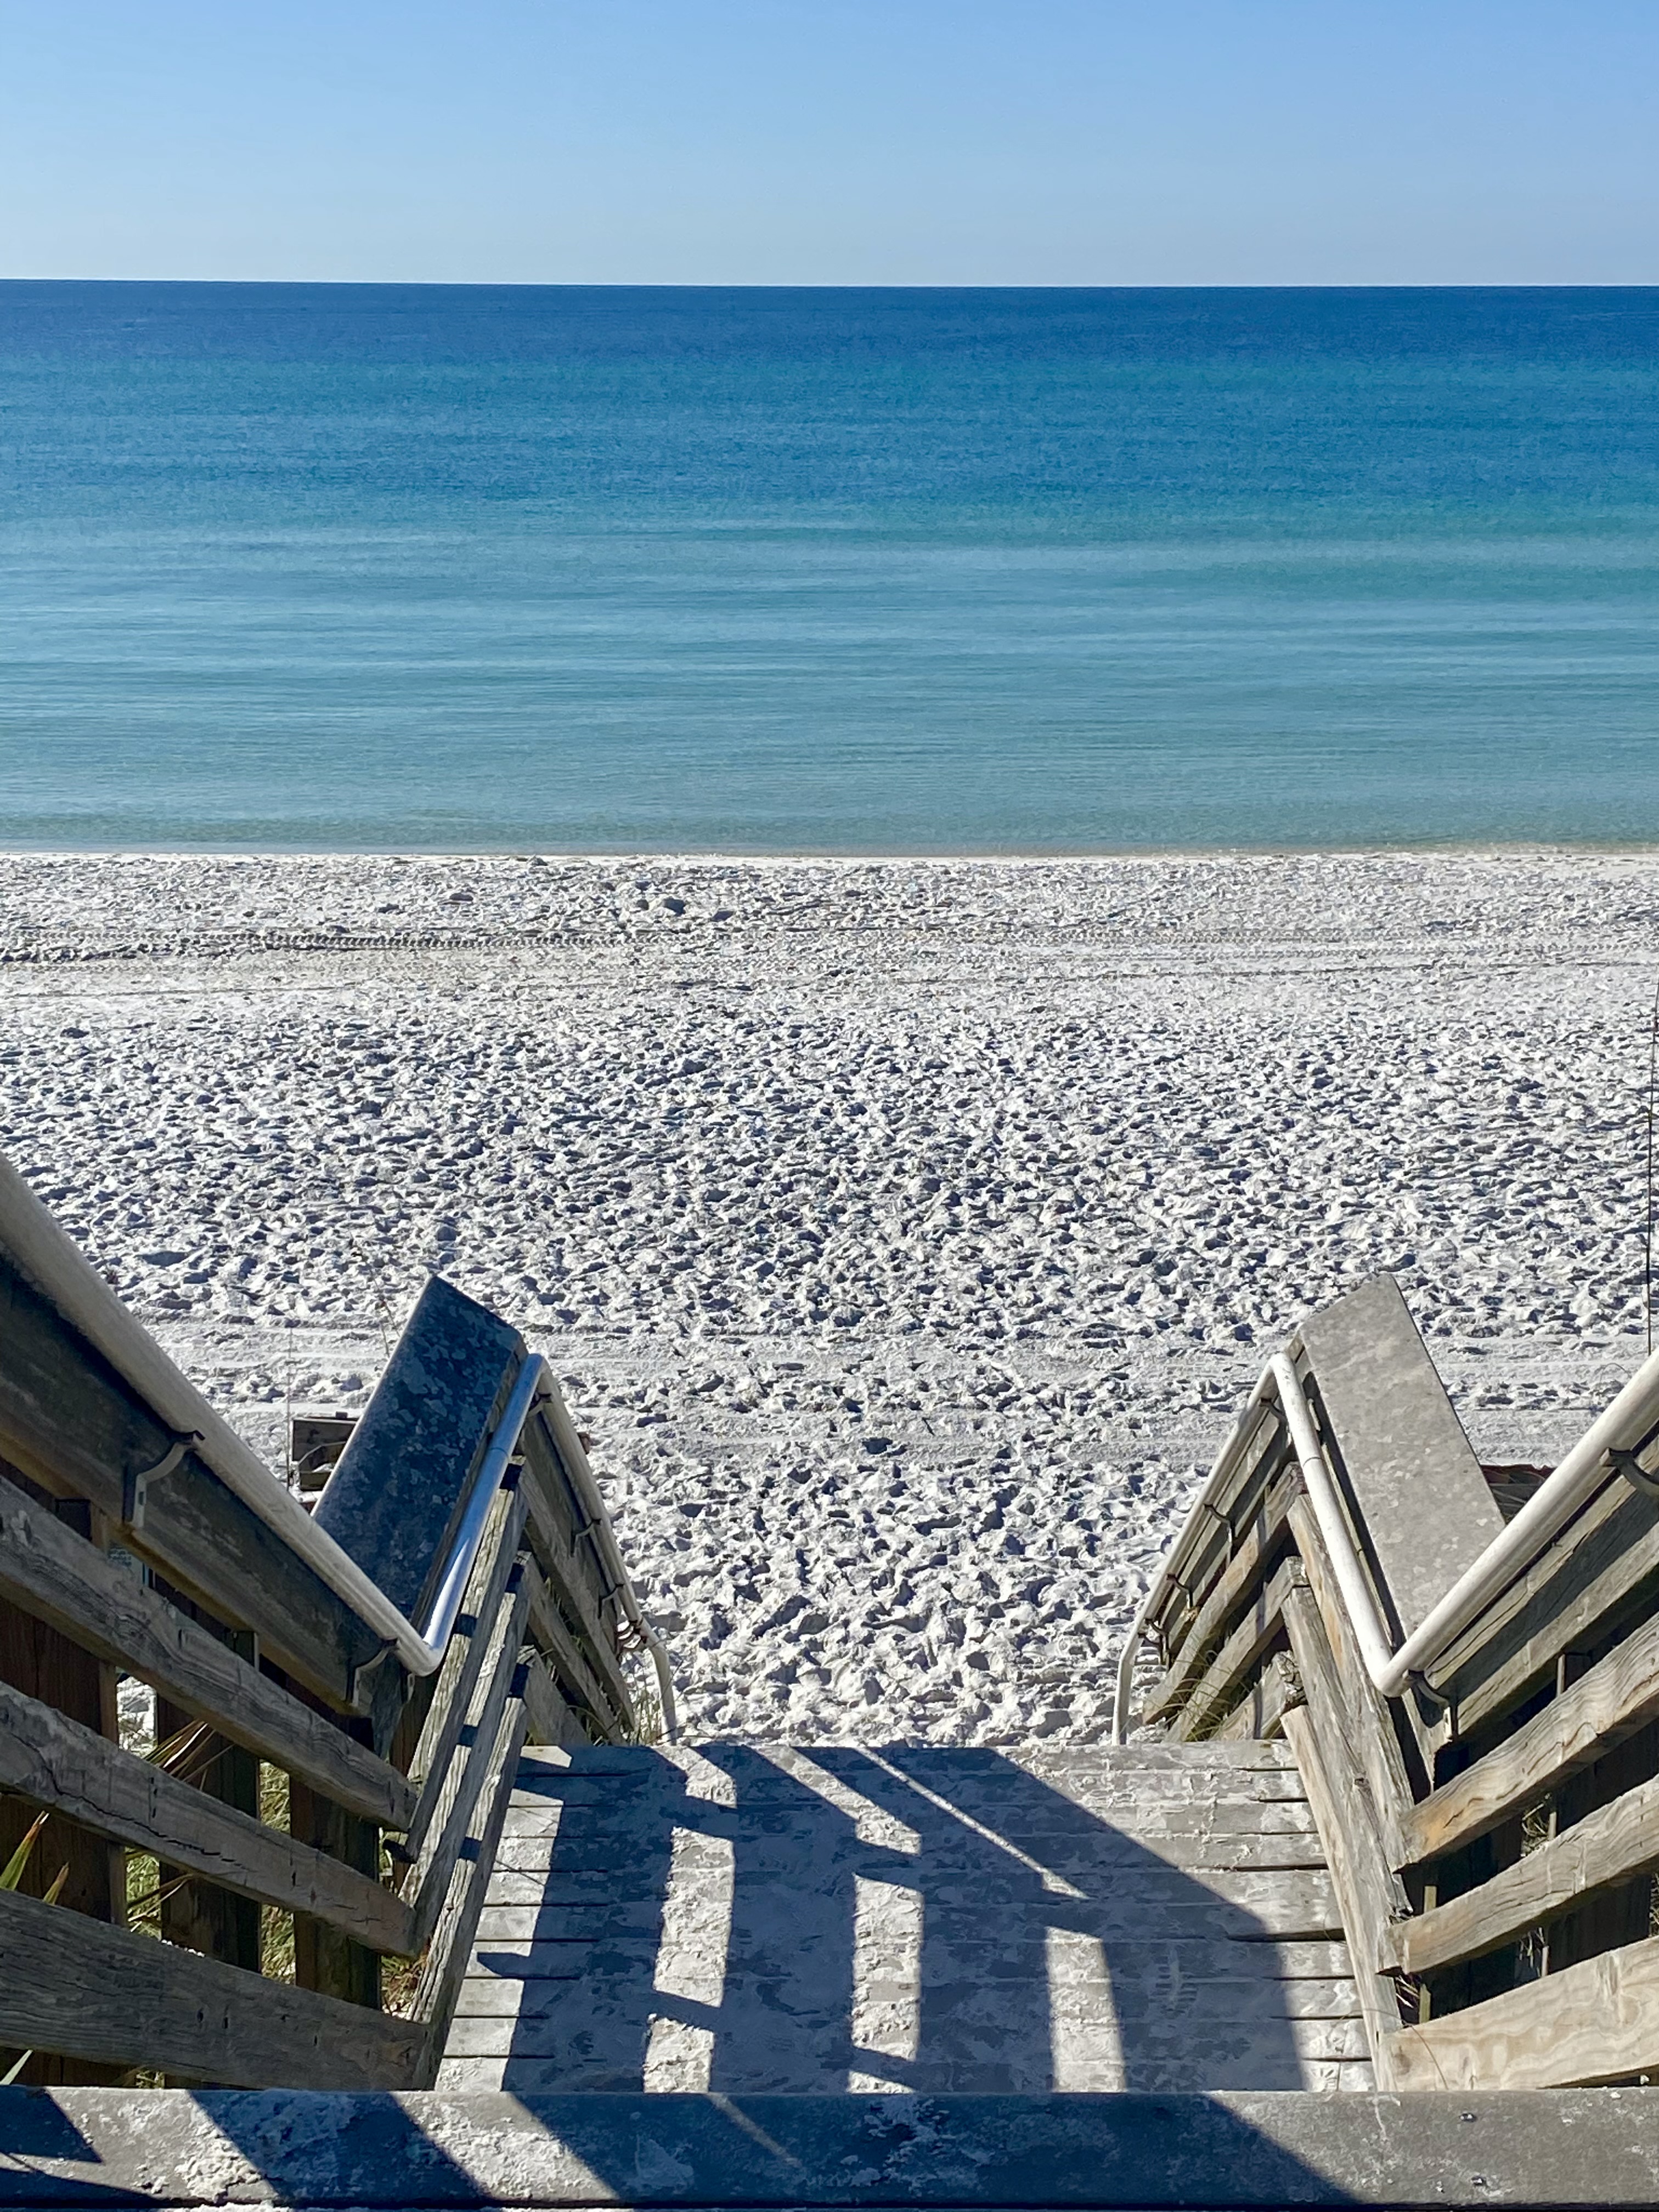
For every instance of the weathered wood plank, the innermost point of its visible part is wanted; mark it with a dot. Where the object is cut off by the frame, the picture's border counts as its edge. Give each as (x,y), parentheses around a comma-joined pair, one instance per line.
(1595,2021)
(458,1677)
(471,1873)
(1591,1570)
(1606,1847)
(577,1679)
(1262,1456)
(500,1678)
(1219,1688)
(1611,1702)
(1207,1629)
(68,1420)
(53,1760)
(1368,1895)
(69,1984)
(551,1721)
(558,1526)
(1260,1712)
(397,1492)
(48,1571)
(1370,1727)
(1399,1448)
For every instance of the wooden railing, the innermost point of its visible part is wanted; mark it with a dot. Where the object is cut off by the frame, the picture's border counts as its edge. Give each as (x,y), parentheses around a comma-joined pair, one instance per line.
(1493,1832)
(313,1808)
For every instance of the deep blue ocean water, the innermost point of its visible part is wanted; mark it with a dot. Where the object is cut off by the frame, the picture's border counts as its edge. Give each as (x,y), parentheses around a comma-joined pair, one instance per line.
(846,571)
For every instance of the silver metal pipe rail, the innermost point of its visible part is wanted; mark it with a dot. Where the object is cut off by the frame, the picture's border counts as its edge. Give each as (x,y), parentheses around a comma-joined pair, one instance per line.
(464,1551)
(1625,1426)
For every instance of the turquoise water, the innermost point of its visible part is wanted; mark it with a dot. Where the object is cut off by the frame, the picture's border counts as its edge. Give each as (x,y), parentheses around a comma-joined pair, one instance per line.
(845,571)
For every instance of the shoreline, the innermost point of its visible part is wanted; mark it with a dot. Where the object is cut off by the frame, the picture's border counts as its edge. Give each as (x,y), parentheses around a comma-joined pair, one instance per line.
(907,1253)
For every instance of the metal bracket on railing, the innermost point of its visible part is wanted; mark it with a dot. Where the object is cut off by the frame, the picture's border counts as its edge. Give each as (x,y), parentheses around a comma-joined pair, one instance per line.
(1629,1465)
(136,1480)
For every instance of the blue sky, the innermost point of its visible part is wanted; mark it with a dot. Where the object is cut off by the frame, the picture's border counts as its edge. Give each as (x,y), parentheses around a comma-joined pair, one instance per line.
(833,142)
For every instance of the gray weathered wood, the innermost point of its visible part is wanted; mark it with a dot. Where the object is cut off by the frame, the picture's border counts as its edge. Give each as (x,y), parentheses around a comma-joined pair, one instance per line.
(1206,1631)
(395,1497)
(429,1881)
(1607,1846)
(1592,1568)
(1595,2021)
(1228,1673)
(70,1984)
(49,1571)
(1261,1713)
(470,1872)
(458,1677)
(567,1558)
(1371,1729)
(1425,1511)
(69,1422)
(53,1760)
(578,1682)
(1368,1894)
(1234,1505)
(551,1721)
(1605,1705)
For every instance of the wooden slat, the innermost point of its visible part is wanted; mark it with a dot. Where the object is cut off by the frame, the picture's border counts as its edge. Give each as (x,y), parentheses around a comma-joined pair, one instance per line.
(458,1676)
(1370,1729)
(1228,1672)
(471,1874)
(70,1984)
(551,1721)
(1608,1846)
(429,1882)
(73,1425)
(1618,1696)
(55,1761)
(1368,1895)
(555,1515)
(48,1571)
(1207,1629)
(1234,1507)
(1260,1714)
(1557,1606)
(576,1678)
(1595,2021)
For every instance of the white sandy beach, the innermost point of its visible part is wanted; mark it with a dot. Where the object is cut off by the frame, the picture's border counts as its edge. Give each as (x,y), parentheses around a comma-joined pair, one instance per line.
(904,1231)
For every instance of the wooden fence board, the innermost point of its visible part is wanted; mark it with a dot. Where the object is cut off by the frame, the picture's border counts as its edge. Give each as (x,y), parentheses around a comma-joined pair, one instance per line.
(1201,1639)
(53,1760)
(1595,2021)
(48,1571)
(1218,1689)
(72,1985)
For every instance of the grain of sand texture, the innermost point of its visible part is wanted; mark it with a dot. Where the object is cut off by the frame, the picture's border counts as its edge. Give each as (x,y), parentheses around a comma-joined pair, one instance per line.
(904,1232)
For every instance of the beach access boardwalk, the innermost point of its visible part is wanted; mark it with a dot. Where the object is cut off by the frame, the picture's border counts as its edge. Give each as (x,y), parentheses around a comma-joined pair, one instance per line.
(414,1899)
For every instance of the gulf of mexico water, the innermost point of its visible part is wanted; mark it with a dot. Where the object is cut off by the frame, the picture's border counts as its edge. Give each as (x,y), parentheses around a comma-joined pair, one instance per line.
(566,568)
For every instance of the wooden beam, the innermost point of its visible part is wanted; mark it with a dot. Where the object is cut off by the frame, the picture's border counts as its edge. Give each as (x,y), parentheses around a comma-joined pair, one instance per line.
(558,1528)
(428,1882)
(470,1872)
(1207,1629)
(1370,1729)
(1596,1565)
(69,1421)
(435,1748)
(1260,1714)
(1218,1689)
(1595,2021)
(48,1571)
(577,1681)
(1610,1845)
(551,1721)
(1612,1701)
(1368,1895)
(70,1984)
(53,1760)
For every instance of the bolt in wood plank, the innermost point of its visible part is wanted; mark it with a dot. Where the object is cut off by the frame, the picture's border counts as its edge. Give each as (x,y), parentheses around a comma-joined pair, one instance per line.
(69,1984)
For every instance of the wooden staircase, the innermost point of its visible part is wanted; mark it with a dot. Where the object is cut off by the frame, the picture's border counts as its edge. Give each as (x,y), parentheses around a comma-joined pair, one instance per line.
(752,1918)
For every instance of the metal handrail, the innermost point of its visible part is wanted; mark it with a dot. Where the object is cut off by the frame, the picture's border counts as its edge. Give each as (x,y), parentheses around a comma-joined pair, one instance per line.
(464,1551)
(1627,1424)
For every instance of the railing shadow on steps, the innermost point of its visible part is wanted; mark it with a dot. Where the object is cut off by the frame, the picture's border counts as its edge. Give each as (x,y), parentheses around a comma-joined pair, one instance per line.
(375,1666)
(1466,1663)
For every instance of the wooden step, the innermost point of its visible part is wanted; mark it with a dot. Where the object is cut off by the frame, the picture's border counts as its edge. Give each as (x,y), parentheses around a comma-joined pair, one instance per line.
(760,1919)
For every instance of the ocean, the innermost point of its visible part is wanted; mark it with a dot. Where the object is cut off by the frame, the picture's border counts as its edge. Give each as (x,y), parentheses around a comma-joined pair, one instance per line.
(561,568)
